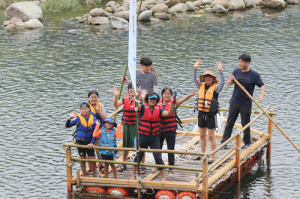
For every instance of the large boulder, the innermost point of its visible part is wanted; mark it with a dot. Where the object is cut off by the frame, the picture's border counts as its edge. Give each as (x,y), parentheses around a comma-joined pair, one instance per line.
(163,16)
(254,2)
(160,7)
(108,9)
(118,23)
(113,7)
(190,6)
(206,2)
(151,2)
(95,12)
(20,25)
(219,9)
(223,3)
(126,3)
(145,16)
(98,20)
(33,23)
(181,7)
(123,14)
(171,3)
(236,5)
(197,3)
(15,20)
(110,2)
(276,4)
(24,10)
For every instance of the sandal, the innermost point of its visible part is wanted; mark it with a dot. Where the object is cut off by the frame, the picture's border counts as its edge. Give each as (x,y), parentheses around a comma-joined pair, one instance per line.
(133,177)
(197,158)
(210,161)
(153,170)
(163,179)
(122,167)
(143,170)
(101,169)
(170,174)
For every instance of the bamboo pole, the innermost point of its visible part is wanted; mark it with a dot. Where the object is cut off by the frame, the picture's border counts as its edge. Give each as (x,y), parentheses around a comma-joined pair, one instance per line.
(134,149)
(271,119)
(69,169)
(224,109)
(270,131)
(232,137)
(120,93)
(116,111)
(205,179)
(135,164)
(238,157)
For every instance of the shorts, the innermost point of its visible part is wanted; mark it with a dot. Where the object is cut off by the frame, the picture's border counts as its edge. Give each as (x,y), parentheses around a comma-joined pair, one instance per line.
(83,152)
(107,157)
(208,121)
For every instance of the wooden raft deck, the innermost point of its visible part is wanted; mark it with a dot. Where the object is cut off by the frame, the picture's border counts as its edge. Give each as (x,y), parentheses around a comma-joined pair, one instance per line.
(184,180)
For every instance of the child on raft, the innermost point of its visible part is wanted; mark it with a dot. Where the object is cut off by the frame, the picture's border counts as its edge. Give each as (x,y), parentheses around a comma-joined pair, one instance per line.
(98,111)
(128,119)
(107,137)
(83,135)
(149,129)
(208,105)
(169,124)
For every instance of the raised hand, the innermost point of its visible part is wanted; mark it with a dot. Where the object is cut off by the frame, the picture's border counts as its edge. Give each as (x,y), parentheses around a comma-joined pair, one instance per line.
(138,89)
(72,115)
(144,93)
(194,92)
(197,64)
(219,66)
(115,91)
(124,78)
(97,122)
(97,107)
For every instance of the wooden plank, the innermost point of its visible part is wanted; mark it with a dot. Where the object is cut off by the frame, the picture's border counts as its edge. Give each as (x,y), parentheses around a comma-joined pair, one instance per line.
(190,133)
(189,120)
(69,169)
(231,164)
(168,184)
(192,142)
(205,180)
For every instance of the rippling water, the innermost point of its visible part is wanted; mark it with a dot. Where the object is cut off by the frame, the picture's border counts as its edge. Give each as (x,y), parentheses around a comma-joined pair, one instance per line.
(46,73)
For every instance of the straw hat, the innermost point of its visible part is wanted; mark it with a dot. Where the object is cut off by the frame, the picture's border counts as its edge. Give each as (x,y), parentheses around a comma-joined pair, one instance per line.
(208,72)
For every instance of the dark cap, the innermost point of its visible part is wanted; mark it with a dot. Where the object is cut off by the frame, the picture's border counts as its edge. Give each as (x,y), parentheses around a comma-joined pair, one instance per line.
(84,104)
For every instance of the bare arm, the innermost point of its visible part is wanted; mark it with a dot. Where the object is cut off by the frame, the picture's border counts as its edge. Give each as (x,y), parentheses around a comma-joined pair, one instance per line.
(196,81)
(116,101)
(219,66)
(262,93)
(186,97)
(169,112)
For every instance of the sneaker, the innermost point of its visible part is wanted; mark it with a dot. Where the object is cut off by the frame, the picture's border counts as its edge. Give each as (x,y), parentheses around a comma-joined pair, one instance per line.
(225,147)
(247,146)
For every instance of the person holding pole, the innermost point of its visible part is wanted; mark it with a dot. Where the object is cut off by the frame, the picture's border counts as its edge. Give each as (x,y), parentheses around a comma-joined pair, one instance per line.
(240,103)
(208,105)
(128,119)
(149,128)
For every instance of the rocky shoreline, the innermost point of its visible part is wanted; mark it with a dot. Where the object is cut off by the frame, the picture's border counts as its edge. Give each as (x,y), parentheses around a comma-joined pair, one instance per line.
(28,15)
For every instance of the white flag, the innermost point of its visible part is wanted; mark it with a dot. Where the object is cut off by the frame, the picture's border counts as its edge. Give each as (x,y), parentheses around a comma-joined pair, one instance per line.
(132,43)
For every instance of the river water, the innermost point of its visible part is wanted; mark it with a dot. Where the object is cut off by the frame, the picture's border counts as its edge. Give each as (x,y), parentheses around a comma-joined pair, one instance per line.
(46,73)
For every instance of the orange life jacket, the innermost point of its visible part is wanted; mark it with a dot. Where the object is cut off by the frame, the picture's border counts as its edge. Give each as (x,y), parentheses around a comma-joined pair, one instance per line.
(206,101)
(167,123)
(150,122)
(128,111)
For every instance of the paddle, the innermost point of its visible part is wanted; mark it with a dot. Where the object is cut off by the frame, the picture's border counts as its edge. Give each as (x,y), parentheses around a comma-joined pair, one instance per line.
(285,135)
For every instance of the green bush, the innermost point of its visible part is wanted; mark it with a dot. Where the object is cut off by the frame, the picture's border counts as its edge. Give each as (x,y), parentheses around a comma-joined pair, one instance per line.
(59,5)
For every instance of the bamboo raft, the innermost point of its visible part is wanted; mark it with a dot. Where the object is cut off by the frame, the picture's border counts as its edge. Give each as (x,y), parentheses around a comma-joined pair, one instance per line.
(189,175)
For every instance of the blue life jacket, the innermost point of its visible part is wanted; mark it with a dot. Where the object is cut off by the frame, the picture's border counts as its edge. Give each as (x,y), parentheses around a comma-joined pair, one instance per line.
(85,129)
(110,142)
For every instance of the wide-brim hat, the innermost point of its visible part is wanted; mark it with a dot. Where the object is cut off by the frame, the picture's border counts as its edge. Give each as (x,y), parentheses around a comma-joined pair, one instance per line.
(208,72)
(109,120)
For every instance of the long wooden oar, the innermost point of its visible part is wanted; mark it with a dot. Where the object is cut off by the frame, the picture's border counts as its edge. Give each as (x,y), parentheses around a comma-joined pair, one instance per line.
(285,135)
